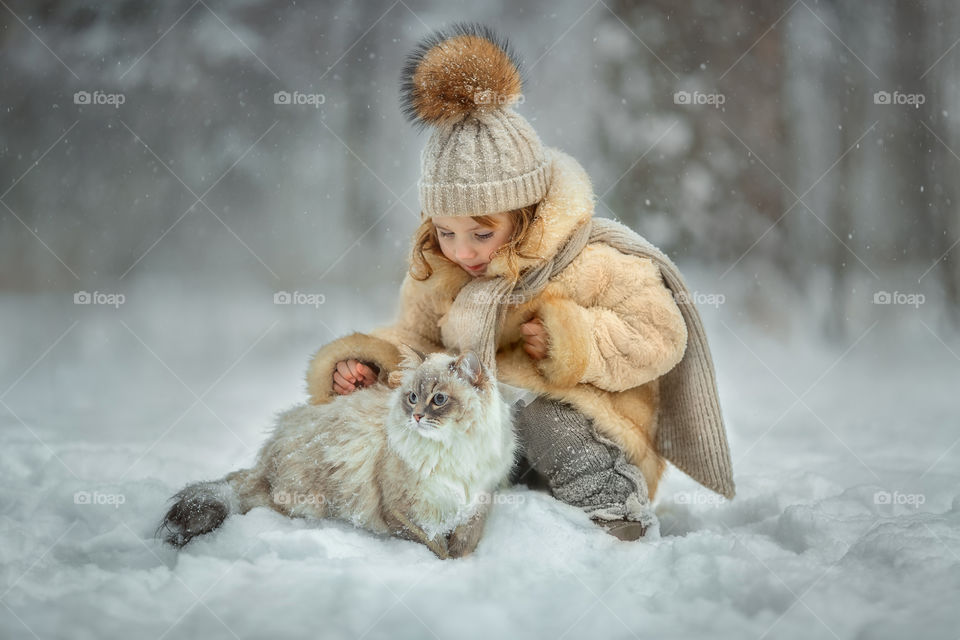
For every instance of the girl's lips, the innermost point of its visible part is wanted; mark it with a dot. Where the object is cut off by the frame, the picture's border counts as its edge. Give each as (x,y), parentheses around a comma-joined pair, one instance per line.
(477,268)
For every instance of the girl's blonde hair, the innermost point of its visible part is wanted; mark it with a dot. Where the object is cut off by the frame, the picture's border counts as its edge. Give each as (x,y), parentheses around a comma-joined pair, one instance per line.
(425,239)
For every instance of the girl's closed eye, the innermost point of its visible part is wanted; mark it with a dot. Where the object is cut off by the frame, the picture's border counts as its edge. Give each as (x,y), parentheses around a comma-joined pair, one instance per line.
(480,236)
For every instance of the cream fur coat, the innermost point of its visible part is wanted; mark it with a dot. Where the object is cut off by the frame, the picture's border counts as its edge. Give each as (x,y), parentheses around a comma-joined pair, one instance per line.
(613,327)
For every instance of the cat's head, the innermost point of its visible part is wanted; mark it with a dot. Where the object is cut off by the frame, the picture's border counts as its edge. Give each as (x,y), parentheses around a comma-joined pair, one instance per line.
(440,394)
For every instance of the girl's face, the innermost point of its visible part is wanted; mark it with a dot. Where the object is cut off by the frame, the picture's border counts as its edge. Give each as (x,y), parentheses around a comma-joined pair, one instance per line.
(467,243)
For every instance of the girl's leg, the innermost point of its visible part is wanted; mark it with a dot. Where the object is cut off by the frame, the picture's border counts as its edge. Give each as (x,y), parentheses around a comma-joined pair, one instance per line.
(582,467)
(523,473)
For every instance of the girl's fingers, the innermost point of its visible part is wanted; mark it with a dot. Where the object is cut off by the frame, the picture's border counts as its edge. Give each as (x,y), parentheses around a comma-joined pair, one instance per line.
(344,368)
(343,382)
(354,368)
(536,341)
(349,374)
(533,330)
(535,346)
(365,373)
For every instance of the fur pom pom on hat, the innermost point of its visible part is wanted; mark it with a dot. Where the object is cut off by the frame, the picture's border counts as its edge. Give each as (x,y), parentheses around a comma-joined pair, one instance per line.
(454,73)
(482,156)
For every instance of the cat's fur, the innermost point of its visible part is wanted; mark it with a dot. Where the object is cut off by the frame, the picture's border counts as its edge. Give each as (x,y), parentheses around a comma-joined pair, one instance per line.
(364,458)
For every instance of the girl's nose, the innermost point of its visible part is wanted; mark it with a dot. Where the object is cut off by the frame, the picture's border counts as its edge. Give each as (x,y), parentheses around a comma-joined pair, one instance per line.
(466,253)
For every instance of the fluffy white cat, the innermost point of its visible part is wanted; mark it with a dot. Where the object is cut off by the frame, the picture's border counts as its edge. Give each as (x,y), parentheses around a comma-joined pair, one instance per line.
(416,458)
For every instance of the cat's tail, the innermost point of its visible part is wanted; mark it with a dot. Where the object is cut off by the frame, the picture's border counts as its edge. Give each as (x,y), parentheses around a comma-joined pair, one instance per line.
(201,507)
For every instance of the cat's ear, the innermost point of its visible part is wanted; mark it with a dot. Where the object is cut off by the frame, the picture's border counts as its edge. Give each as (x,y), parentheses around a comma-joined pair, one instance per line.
(410,358)
(467,366)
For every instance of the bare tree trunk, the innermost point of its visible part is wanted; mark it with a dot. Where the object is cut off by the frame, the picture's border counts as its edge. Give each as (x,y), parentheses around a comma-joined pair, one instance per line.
(364,194)
(942,213)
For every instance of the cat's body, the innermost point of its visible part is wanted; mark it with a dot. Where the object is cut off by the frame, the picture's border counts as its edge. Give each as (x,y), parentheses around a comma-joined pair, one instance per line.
(367,459)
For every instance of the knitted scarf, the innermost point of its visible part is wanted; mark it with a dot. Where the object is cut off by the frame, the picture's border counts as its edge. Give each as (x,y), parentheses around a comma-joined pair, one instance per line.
(690,432)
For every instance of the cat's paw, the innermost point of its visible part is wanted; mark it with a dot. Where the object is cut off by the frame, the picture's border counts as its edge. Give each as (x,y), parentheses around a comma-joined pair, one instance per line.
(464,539)
(193,514)
(459,547)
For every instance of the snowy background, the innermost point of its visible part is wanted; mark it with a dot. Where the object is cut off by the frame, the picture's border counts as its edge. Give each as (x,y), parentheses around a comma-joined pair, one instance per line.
(793,207)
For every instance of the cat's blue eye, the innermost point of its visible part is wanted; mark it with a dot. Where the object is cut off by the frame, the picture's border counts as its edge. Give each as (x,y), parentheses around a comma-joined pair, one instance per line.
(439,399)
(412,398)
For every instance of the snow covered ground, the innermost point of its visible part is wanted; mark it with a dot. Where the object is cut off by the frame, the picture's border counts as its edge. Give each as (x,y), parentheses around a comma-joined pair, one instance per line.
(846,523)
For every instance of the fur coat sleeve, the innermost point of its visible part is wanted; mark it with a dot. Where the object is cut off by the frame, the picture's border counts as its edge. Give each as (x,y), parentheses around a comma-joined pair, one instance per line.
(415,326)
(611,322)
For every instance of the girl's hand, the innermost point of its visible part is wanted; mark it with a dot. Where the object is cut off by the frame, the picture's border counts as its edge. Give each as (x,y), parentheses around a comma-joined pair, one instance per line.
(534,338)
(351,375)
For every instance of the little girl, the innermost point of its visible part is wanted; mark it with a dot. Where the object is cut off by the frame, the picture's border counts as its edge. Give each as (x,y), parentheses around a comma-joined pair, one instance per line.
(591,330)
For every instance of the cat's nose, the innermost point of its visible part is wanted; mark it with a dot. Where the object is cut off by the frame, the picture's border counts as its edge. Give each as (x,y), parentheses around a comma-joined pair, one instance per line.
(417,416)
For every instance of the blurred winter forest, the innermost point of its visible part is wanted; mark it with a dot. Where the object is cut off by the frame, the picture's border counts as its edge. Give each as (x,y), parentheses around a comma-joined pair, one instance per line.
(197,194)
(803,153)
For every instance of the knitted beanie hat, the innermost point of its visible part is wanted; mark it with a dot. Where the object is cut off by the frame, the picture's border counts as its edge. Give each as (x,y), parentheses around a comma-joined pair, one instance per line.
(482,156)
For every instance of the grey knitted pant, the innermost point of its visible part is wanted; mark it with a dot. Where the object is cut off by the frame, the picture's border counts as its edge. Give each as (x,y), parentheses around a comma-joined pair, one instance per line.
(581,467)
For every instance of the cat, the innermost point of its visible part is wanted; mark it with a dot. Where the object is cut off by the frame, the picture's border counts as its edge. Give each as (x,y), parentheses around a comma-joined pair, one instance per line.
(417,457)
